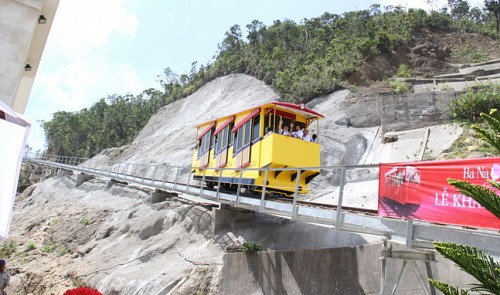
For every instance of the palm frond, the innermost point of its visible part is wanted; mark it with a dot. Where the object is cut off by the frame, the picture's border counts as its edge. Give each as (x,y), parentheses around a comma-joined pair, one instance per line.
(483,195)
(472,260)
(448,289)
(492,134)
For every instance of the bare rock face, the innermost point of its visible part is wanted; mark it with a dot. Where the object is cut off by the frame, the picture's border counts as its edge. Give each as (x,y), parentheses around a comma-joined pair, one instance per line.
(429,49)
(113,240)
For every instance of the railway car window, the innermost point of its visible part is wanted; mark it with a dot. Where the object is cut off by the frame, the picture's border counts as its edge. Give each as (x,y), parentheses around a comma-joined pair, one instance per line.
(286,121)
(267,121)
(222,140)
(239,140)
(218,142)
(256,127)
(199,146)
(233,134)
(213,139)
(248,129)
(204,143)
(271,121)
(243,135)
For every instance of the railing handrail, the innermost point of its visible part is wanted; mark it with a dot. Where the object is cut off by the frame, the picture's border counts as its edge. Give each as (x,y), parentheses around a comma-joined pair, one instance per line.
(413,233)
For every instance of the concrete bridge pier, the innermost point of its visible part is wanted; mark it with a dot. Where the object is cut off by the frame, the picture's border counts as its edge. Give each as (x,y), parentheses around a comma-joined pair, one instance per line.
(64,172)
(81,178)
(47,173)
(160,196)
(227,218)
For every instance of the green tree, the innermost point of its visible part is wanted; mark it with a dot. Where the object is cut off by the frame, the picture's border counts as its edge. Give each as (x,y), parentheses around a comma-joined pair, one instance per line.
(473,261)
(459,8)
(301,60)
(493,6)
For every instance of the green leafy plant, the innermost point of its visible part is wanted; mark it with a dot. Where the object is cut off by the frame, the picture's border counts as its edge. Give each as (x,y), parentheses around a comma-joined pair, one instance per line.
(249,247)
(470,54)
(399,87)
(30,246)
(491,135)
(473,261)
(403,71)
(48,248)
(476,100)
(85,221)
(8,248)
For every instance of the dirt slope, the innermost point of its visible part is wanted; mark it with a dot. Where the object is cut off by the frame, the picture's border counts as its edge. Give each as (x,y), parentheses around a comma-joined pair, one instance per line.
(428,53)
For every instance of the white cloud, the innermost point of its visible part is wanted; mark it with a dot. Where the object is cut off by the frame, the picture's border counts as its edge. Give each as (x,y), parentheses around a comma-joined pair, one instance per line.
(79,55)
(78,66)
(84,26)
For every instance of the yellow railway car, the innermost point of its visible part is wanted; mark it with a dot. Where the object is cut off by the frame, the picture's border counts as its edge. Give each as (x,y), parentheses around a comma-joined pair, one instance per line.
(228,144)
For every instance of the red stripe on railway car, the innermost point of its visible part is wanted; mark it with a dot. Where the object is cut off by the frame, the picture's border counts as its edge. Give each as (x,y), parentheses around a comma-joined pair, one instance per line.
(206,130)
(219,129)
(248,117)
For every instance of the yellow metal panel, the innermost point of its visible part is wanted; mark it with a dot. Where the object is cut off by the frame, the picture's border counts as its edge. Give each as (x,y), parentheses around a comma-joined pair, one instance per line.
(292,152)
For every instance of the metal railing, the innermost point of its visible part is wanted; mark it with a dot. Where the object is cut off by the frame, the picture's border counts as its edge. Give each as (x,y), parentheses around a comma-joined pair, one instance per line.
(342,186)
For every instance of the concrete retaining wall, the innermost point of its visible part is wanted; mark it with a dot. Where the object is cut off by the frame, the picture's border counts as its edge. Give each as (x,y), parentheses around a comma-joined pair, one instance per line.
(415,110)
(348,270)
(315,271)
(309,259)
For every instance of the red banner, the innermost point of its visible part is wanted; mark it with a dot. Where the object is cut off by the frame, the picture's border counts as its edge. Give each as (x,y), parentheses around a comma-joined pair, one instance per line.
(420,191)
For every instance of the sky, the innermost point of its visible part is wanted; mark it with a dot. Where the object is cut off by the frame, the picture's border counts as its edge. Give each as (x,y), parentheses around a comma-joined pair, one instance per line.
(99,48)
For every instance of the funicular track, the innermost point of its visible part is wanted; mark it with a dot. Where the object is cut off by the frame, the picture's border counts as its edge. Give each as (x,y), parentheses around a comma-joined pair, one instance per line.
(412,233)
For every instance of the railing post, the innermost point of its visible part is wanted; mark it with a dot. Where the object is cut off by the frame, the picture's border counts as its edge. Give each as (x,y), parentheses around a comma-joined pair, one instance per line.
(296,194)
(176,176)
(189,179)
(338,220)
(217,195)
(202,180)
(154,174)
(164,177)
(144,173)
(263,196)
(239,188)
(409,233)
(134,167)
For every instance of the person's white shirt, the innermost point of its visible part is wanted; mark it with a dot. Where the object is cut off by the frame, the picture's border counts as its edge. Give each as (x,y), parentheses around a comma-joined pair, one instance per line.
(285,132)
(4,280)
(306,138)
(298,133)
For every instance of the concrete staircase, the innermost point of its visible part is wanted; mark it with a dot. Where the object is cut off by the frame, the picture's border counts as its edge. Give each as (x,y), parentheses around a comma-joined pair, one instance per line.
(468,75)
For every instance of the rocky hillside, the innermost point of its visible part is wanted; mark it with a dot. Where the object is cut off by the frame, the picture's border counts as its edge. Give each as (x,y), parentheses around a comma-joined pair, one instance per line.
(114,239)
(428,53)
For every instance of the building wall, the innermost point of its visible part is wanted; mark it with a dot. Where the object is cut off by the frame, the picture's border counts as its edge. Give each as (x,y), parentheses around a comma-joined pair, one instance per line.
(22,40)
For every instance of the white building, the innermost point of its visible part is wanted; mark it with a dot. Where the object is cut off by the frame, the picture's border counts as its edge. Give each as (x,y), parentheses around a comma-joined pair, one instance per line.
(24,28)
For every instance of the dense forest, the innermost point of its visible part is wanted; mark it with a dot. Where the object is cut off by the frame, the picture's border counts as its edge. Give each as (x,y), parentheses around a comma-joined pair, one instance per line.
(300,60)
